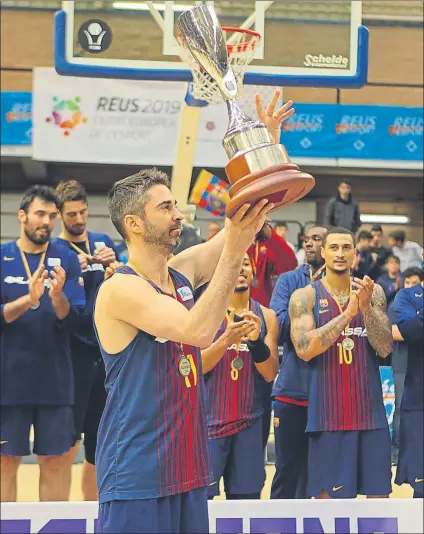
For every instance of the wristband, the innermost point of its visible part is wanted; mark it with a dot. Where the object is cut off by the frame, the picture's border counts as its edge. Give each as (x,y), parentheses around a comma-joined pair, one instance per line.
(258,350)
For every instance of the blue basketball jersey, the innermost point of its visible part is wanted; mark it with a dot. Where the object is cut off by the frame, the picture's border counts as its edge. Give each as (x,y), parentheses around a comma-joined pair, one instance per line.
(152,439)
(36,367)
(93,276)
(234,398)
(345,386)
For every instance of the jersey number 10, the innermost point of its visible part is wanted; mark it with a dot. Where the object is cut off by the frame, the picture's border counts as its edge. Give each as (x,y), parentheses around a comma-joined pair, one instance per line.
(345,356)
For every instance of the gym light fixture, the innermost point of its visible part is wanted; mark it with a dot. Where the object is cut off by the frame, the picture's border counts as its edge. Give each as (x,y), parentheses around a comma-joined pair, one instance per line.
(384,219)
(142,6)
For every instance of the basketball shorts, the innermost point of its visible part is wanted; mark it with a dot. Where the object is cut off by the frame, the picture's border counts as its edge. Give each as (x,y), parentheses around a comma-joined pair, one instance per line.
(410,469)
(348,463)
(53,429)
(240,459)
(291,451)
(183,513)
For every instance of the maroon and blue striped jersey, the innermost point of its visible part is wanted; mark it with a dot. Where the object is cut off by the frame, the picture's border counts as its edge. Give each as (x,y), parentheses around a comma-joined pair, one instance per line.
(345,386)
(152,439)
(233,397)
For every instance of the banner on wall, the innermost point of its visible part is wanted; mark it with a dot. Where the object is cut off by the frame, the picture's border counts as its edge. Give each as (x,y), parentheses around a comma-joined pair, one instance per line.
(131,122)
(105,121)
(16,118)
(362,516)
(355,132)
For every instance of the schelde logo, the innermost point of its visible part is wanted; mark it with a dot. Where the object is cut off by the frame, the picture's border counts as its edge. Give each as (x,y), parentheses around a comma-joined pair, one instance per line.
(327,62)
(66,114)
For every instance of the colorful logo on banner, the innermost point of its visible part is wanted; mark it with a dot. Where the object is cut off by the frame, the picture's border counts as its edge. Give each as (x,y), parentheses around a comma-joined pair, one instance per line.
(16,118)
(66,114)
(210,193)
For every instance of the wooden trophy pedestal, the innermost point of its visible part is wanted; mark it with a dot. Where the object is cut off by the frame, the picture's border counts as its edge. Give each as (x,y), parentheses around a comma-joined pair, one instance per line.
(282,184)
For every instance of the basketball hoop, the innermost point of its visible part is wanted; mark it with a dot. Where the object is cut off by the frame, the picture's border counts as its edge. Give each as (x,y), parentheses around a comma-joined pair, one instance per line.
(241,49)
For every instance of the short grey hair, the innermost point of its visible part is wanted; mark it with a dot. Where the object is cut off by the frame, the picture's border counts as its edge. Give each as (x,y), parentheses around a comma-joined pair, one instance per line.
(130,195)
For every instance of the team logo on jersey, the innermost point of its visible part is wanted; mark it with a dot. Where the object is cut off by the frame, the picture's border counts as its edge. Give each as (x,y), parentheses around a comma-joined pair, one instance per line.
(52,262)
(240,348)
(358,331)
(20,280)
(323,303)
(91,267)
(276,422)
(81,281)
(185,293)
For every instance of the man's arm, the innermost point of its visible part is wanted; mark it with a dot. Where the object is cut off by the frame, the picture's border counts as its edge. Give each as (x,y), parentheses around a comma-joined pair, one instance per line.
(198,263)
(397,336)
(133,300)
(13,310)
(280,304)
(308,340)
(410,324)
(379,329)
(235,333)
(67,292)
(269,368)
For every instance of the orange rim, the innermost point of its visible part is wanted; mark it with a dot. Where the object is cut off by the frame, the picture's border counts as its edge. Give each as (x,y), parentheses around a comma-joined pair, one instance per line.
(241,47)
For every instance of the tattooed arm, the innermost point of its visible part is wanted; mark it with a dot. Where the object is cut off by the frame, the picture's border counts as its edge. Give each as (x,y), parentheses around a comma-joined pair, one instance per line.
(308,340)
(378,325)
(372,303)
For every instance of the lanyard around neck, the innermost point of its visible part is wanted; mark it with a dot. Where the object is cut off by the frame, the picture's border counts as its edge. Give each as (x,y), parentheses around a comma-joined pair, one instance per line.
(25,261)
(136,267)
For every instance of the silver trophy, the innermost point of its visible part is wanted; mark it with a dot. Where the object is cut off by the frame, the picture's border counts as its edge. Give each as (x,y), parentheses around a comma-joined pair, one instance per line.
(258,167)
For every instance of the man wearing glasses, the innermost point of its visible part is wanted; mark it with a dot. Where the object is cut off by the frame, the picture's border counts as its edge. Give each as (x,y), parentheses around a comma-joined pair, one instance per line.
(290,392)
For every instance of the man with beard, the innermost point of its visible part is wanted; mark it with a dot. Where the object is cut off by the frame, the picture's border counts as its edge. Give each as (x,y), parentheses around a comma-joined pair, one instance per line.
(236,367)
(152,456)
(41,297)
(338,325)
(95,252)
(290,391)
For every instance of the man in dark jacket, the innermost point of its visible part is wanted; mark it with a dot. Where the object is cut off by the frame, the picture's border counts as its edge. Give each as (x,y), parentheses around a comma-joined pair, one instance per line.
(343,210)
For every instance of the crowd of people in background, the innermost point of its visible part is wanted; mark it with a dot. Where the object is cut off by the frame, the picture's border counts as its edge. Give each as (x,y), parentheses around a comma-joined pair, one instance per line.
(52,371)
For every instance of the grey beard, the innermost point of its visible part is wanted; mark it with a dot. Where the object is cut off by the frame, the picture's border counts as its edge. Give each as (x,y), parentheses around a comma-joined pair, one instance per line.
(158,239)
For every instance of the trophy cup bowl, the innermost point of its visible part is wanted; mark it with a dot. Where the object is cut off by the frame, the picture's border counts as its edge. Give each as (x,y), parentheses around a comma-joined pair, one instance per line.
(258,167)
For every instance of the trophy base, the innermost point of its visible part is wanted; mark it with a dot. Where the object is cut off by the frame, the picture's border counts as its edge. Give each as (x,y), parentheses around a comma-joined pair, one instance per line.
(265,172)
